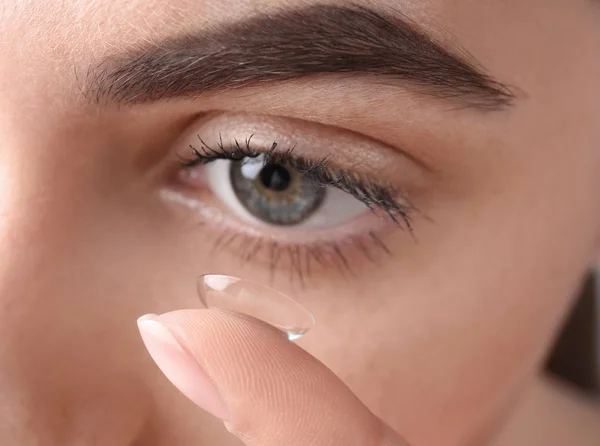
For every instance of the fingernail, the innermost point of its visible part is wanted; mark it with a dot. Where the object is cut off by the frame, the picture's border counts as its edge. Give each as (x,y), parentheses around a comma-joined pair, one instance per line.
(181,368)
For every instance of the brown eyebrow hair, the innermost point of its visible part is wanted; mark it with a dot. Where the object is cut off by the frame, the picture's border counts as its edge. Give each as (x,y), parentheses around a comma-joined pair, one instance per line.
(294,44)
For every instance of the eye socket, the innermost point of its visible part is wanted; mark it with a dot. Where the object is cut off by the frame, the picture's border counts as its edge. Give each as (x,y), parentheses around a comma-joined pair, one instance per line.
(292,194)
(276,194)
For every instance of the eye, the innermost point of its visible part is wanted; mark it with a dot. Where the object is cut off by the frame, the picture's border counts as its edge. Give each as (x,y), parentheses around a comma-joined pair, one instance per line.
(275,193)
(290,195)
(277,188)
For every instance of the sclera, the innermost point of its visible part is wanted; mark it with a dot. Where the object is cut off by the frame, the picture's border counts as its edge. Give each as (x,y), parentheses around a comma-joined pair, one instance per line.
(258,301)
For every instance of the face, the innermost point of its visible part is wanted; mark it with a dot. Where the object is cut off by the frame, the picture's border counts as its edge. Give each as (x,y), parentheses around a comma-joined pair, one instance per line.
(134,160)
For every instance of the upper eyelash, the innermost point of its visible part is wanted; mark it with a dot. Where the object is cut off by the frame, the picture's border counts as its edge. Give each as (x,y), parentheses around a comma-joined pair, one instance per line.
(374,195)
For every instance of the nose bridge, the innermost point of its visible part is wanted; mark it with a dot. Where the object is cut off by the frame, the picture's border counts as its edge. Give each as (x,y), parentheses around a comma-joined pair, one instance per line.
(29,338)
(34,226)
(35,329)
(68,362)
(62,382)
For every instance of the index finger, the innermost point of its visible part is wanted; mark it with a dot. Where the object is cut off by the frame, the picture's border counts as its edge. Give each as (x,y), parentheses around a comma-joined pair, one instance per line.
(270,392)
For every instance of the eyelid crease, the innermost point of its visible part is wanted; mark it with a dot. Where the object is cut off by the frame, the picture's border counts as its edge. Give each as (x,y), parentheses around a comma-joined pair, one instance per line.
(311,141)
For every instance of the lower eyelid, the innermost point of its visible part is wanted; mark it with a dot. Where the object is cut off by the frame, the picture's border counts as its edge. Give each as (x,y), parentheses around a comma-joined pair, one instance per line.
(298,254)
(340,246)
(212,215)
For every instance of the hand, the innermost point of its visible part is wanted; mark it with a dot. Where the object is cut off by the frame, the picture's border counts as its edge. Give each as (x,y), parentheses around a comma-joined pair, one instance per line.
(267,390)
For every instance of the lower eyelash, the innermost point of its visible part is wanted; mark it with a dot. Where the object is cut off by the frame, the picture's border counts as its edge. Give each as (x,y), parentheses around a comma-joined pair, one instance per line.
(303,258)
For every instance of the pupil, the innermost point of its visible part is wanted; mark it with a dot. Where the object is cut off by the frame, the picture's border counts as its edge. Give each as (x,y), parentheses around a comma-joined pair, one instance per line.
(275,177)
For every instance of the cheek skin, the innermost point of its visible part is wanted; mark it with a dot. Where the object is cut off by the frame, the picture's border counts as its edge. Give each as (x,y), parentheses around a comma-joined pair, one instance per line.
(62,372)
(445,345)
(473,308)
(81,267)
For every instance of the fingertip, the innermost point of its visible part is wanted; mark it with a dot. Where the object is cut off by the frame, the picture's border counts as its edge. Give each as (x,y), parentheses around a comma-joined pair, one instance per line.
(181,367)
(146,317)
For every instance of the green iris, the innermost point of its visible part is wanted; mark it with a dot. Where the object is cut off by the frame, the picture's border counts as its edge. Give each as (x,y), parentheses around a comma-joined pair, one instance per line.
(275,193)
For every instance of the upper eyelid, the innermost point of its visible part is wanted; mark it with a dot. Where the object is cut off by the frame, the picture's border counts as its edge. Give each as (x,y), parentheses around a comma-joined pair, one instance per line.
(302,164)
(244,150)
(311,141)
(237,151)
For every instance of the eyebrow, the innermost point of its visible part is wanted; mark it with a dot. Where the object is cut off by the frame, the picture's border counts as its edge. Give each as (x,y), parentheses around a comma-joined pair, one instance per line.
(294,44)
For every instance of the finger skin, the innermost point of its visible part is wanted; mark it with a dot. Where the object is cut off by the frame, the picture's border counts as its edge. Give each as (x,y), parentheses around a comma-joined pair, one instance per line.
(275,393)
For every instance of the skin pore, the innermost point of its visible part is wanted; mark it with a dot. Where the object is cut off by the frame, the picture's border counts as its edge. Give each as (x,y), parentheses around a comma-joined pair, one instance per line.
(439,328)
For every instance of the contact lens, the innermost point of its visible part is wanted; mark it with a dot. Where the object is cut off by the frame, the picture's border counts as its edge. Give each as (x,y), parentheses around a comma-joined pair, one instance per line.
(255,300)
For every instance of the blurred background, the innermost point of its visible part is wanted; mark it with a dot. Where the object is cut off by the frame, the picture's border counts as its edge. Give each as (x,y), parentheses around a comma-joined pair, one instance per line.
(576,356)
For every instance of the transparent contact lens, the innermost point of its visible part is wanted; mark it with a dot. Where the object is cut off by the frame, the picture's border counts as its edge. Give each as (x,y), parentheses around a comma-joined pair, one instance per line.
(258,301)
